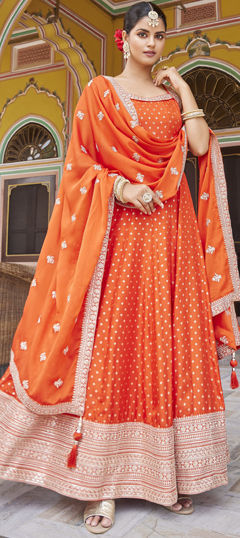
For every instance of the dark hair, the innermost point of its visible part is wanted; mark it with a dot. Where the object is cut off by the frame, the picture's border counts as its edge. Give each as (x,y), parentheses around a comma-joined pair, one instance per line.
(138,11)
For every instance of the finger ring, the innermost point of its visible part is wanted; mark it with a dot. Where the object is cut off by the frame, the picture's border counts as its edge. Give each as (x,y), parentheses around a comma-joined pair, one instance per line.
(165,67)
(147,197)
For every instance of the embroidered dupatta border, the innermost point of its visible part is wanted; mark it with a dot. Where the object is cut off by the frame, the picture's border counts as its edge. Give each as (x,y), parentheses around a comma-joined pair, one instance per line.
(76,405)
(90,320)
(224,303)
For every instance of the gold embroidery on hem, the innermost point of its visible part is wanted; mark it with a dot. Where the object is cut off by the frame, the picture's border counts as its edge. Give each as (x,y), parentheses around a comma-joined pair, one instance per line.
(115,460)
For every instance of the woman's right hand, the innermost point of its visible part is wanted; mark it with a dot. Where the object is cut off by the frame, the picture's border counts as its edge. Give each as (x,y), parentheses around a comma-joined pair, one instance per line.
(133,194)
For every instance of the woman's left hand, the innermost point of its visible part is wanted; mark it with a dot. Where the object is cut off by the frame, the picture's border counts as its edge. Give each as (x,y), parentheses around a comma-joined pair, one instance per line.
(171,75)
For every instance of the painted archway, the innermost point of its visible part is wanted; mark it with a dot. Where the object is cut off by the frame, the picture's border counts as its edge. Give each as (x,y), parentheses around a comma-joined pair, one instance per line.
(74,57)
(216,86)
(11,11)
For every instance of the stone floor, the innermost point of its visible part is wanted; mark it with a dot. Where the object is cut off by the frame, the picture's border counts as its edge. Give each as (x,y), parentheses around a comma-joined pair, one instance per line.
(33,512)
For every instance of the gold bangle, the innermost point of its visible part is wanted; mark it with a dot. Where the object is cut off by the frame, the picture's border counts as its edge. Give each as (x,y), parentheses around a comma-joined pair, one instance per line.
(192,111)
(193,116)
(122,184)
(116,183)
(197,113)
(118,193)
(118,187)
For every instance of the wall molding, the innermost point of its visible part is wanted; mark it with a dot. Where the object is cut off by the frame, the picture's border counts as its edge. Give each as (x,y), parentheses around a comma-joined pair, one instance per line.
(14,13)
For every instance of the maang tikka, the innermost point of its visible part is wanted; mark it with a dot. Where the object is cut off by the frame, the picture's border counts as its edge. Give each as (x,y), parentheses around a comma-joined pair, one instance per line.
(153,17)
(153,20)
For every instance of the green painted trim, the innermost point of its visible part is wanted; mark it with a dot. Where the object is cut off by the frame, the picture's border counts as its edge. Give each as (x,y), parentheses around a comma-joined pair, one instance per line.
(210,63)
(11,22)
(34,169)
(115,10)
(25,121)
(46,168)
(19,33)
(228,138)
(112,11)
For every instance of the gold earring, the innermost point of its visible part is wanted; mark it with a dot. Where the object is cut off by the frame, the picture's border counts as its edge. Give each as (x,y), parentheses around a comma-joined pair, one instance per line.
(126,50)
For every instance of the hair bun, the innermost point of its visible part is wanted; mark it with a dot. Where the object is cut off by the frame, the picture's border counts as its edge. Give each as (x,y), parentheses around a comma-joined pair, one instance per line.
(118,39)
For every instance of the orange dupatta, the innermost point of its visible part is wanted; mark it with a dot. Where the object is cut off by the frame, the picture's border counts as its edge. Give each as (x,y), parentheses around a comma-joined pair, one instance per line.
(52,347)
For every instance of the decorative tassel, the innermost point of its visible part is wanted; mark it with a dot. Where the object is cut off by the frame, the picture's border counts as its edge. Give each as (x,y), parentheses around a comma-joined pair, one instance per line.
(72,457)
(234,379)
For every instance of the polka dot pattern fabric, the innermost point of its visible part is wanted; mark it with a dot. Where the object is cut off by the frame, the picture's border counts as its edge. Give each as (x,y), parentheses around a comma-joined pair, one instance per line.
(161,118)
(154,355)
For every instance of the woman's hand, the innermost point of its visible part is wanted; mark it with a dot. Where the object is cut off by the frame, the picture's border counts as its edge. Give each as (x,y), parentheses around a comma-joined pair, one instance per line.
(171,75)
(133,194)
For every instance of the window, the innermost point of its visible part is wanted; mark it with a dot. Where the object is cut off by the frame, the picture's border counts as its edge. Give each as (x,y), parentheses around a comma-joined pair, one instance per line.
(195,13)
(218,94)
(29,143)
(27,55)
(28,203)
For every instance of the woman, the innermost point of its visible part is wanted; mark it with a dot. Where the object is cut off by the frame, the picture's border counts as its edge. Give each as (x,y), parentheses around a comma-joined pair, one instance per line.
(116,345)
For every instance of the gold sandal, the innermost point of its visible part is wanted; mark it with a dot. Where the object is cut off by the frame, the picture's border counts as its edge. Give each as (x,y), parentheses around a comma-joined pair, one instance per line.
(184,511)
(104,508)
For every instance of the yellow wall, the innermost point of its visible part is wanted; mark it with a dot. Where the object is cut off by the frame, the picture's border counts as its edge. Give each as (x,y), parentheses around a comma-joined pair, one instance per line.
(93,14)
(229,8)
(89,13)
(33,102)
(5,64)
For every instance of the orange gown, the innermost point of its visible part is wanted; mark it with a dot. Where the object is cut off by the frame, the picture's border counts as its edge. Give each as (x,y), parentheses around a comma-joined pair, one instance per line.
(153,422)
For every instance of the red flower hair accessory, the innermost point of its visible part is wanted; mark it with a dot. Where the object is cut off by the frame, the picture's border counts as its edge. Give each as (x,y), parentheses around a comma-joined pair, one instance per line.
(118,39)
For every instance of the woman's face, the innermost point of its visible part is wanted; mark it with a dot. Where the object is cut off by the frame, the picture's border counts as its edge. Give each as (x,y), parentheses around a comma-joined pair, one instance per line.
(146,42)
